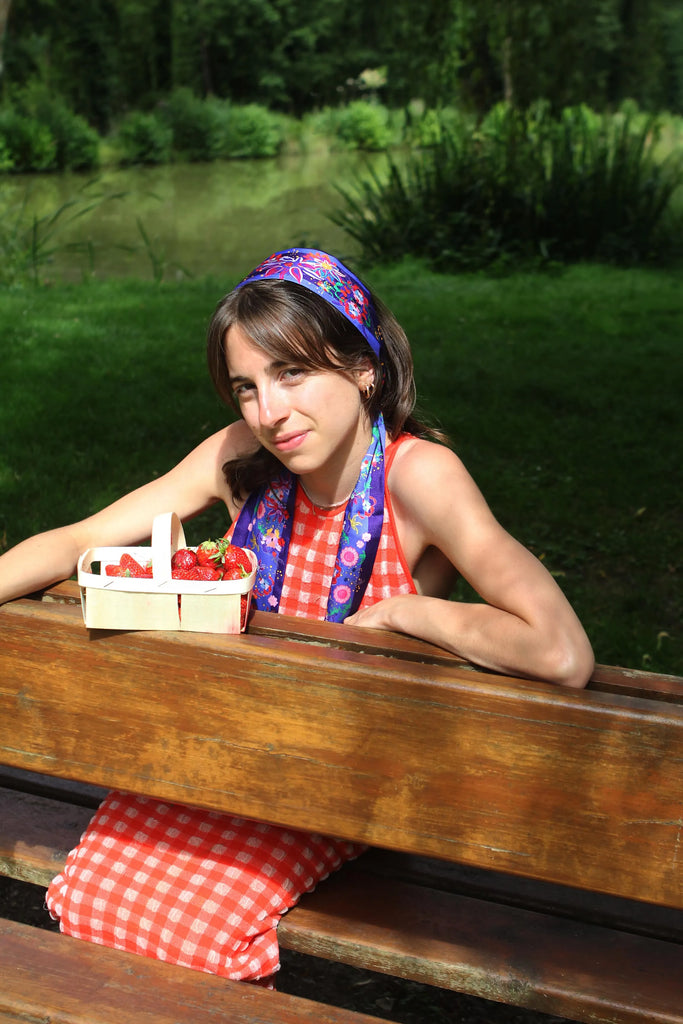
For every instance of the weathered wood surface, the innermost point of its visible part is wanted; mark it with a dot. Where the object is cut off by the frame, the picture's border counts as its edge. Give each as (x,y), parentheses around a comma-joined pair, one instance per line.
(49,977)
(520,957)
(496,937)
(583,789)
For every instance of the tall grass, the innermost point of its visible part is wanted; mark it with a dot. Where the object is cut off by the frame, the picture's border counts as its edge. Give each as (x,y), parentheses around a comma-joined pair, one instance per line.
(560,392)
(28,243)
(524,187)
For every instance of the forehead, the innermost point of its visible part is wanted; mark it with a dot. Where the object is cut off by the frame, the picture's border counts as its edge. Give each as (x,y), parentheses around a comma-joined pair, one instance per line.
(241,352)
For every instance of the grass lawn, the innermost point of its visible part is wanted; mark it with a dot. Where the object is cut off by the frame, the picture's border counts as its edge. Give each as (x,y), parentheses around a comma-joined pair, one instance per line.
(561,393)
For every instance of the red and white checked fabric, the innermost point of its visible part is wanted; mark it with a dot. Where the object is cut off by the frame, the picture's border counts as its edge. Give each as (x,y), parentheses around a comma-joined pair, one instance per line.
(313,550)
(206,890)
(188,886)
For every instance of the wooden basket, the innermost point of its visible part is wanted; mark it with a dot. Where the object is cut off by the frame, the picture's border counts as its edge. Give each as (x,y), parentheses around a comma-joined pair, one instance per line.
(114,602)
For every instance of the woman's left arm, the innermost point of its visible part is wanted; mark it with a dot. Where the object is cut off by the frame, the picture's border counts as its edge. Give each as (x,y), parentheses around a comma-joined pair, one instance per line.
(525,627)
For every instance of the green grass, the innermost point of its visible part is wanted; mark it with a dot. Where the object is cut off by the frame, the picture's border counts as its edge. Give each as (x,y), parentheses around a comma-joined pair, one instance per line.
(561,393)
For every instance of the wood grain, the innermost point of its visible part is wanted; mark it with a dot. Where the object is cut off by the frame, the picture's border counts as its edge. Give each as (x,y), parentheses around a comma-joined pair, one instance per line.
(583,789)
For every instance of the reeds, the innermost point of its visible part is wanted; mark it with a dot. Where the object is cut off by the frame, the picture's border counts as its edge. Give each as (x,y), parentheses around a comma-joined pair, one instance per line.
(524,187)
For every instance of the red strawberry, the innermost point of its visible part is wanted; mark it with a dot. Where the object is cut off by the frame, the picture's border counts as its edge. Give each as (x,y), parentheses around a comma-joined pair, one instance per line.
(207,572)
(189,573)
(234,572)
(236,558)
(209,552)
(133,568)
(114,570)
(184,558)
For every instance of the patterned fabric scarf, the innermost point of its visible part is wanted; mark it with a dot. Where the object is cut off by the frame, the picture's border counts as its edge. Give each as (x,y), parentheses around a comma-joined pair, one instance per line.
(332,280)
(265,525)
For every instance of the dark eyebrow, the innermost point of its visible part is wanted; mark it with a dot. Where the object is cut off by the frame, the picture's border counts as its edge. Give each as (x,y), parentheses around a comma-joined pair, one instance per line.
(238,379)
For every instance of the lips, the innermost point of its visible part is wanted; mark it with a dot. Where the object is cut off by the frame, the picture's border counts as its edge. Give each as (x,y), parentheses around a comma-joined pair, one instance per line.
(288,442)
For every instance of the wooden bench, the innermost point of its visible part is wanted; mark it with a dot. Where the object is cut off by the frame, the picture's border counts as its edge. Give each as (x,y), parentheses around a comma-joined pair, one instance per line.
(527,842)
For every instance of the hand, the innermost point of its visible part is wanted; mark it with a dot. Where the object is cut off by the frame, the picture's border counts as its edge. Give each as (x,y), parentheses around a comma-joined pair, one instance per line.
(386,614)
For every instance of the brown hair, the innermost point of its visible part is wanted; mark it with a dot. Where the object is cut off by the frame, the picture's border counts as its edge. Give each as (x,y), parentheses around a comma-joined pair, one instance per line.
(294,324)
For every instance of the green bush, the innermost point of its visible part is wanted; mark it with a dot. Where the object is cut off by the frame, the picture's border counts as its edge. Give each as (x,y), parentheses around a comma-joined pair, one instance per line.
(251,131)
(524,187)
(77,144)
(426,127)
(144,139)
(31,145)
(363,125)
(6,161)
(196,125)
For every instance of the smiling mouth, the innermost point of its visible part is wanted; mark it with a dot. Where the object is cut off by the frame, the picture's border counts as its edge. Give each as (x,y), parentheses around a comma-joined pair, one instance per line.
(289,442)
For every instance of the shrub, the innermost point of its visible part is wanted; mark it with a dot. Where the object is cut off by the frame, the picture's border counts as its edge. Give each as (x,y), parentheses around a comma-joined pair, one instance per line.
(363,125)
(144,139)
(77,144)
(251,131)
(425,128)
(523,187)
(6,161)
(30,144)
(196,125)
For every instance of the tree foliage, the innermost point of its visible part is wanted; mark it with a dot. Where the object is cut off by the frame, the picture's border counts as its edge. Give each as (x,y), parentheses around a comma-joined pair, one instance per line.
(106,57)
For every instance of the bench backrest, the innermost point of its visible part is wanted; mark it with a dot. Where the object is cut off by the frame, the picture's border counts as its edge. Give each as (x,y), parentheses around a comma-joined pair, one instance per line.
(414,752)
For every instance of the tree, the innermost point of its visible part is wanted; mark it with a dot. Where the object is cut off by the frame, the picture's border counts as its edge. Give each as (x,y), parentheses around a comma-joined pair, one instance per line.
(4,15)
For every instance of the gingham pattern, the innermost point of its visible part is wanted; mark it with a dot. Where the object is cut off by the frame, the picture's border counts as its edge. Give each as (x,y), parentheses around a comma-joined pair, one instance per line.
(312,556)
(201,889)
(313,551)
(191,887)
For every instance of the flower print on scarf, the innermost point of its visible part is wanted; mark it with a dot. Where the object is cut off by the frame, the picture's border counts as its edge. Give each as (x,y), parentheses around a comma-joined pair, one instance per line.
(265,525)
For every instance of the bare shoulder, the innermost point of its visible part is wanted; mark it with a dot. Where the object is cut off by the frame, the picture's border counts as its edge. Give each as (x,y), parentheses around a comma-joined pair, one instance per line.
(424,472)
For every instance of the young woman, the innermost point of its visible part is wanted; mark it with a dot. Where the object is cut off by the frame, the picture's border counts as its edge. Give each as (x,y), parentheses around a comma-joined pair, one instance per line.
(357,513)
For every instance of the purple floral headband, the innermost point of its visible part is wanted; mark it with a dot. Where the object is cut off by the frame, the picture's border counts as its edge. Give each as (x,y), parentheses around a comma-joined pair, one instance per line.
(325,275)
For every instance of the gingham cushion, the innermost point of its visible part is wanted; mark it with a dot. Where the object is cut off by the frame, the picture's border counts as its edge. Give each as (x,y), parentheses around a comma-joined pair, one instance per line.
(188,886)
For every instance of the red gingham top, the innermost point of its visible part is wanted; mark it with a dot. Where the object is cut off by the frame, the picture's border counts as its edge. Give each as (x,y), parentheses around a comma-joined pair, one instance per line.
(313,550)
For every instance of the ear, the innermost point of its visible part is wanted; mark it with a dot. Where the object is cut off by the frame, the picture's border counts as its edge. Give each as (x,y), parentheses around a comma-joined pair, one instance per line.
(365,377)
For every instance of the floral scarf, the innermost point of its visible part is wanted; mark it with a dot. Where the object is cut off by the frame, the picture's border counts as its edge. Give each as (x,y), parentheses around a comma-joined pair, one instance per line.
(265,525)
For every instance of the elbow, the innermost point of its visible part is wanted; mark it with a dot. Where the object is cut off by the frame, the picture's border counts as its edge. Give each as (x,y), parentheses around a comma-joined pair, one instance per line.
(572,664)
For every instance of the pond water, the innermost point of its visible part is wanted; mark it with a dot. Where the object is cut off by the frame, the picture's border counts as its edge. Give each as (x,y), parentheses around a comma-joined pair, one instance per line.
(220,217)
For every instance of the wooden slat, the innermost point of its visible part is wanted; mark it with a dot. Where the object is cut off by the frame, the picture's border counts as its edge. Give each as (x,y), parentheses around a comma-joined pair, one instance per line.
(506,954)
(50,977)
(37,834)
(438,761)
(606,678)
(441,938)
(530,893)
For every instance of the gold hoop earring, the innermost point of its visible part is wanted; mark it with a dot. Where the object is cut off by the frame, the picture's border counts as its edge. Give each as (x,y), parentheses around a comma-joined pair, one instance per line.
(368,391)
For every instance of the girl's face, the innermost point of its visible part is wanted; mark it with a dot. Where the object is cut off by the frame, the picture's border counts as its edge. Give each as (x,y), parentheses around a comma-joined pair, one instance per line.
(312,420)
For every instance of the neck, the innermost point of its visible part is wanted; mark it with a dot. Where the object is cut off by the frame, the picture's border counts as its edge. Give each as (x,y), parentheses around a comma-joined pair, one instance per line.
(322,504)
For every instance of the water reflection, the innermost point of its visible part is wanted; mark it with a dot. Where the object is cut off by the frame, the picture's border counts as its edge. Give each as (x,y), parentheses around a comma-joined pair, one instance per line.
(220,217)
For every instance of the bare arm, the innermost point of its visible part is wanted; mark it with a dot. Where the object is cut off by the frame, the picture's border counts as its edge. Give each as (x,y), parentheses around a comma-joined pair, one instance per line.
(526,627)
(188,488)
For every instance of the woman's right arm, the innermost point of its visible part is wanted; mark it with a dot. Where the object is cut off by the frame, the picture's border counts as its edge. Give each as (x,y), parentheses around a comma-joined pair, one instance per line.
(188,488)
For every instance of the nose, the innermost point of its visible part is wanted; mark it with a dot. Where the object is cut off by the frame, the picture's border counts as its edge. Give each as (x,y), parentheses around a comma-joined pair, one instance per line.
(272,404)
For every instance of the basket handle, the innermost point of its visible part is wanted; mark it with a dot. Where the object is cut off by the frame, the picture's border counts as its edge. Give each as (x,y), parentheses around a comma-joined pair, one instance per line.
(167,536)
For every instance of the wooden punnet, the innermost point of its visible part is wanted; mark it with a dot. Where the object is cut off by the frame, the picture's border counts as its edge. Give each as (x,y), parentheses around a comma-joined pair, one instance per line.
(114,602)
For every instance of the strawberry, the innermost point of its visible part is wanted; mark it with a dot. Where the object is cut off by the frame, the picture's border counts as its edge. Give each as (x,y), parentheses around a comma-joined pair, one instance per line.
(133,568)
(234,572)
(188,573)
(184,558)
(236,558)
(210,552)
(207,572)
(115,570)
